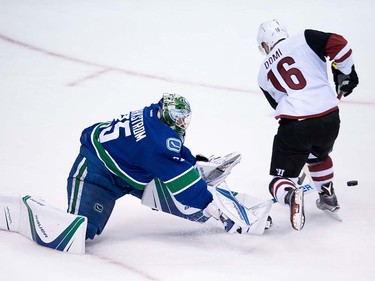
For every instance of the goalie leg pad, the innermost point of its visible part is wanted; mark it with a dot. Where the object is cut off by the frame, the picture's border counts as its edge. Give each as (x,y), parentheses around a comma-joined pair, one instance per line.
(47,226)
(236,216)
(51,227)
(10,206)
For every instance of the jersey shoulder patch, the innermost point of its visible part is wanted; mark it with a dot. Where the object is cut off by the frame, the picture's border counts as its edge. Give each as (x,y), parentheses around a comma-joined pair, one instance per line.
(174,144)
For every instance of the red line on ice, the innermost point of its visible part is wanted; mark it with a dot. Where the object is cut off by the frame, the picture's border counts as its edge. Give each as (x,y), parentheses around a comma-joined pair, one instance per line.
(139,74)
(124,266)
(125,71)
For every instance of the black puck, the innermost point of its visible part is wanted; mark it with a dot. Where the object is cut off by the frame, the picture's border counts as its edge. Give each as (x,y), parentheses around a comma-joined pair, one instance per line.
(352,183)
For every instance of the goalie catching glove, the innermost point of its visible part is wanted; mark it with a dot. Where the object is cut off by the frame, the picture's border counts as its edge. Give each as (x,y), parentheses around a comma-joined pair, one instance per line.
(214,170)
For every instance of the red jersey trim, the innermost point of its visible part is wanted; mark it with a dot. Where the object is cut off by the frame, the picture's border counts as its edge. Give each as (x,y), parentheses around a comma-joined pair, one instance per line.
(307,116)
(335,44)
(344,57)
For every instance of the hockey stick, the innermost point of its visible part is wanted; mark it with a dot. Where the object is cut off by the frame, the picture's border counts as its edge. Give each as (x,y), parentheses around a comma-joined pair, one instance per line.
(341,93)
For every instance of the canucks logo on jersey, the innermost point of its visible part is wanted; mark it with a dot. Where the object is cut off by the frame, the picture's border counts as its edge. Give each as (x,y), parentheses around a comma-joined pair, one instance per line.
(174,144)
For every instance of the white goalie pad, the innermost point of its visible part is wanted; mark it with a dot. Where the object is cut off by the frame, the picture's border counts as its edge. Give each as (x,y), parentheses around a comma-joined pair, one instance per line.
(262,212)
(10,206)
(44,224)
(217,169)
(237,207)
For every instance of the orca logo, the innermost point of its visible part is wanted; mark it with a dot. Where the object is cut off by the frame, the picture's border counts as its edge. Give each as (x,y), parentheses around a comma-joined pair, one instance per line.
(98,207)
(174,144)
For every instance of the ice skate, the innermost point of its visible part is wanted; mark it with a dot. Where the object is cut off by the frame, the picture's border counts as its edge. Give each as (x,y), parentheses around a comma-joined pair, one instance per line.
(327,199)
(294,199)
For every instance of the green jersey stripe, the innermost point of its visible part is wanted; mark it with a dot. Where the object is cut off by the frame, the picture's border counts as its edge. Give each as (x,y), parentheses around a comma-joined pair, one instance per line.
(79,177)
(183,181)
(109,162)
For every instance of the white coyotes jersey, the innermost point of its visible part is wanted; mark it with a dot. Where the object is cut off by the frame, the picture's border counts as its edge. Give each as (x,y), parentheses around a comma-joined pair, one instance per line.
(296,78)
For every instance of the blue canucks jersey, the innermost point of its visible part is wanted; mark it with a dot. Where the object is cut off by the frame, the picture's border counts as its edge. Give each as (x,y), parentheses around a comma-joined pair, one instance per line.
(138,147)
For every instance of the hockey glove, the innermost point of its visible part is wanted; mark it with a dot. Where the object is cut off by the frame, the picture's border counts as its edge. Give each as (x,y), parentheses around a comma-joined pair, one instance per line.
(216,169)
(213,211)
(345,83)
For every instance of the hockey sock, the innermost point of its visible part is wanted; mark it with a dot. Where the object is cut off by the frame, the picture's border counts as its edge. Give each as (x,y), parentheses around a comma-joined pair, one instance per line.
(279,187)
(321,173)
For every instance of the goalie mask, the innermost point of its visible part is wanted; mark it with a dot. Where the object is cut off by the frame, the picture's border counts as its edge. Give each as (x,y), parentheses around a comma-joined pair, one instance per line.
(271,32)
(175,111)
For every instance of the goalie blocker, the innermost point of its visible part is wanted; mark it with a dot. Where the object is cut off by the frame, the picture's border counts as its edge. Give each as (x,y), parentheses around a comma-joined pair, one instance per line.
(46,225)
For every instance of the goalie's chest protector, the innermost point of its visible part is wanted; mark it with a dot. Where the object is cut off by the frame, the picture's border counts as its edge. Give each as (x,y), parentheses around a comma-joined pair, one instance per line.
(296,78)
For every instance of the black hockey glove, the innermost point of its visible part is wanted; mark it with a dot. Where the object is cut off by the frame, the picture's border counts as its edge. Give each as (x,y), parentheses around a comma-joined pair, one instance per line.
(345,83)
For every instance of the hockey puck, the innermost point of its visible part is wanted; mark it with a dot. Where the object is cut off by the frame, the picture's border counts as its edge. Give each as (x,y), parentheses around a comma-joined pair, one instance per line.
(352,183)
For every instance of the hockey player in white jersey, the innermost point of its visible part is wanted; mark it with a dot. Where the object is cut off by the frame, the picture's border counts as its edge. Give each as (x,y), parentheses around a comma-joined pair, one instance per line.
(293,78)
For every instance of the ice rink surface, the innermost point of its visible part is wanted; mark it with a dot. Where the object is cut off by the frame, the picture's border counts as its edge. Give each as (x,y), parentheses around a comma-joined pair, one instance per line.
(65,65)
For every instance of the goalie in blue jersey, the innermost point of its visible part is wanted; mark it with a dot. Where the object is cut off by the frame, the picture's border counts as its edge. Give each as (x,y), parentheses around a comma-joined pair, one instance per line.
(124,155)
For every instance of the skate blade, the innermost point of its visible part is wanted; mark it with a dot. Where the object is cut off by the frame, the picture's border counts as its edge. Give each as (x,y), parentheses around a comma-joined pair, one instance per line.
(298,216)
(333,215)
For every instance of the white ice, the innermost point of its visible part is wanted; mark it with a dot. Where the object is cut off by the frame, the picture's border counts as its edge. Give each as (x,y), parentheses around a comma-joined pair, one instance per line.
(65,65)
